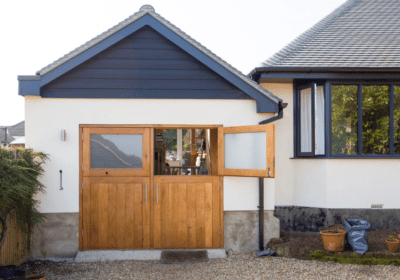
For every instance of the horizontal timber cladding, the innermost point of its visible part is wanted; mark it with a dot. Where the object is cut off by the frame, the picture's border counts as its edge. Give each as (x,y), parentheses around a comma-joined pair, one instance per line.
(143,65)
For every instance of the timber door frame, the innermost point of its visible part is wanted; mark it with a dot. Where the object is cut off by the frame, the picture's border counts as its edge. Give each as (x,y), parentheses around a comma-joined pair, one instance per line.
(151,175)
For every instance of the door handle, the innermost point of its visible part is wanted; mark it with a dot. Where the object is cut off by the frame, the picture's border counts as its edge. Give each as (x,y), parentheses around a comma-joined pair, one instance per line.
(145,192)
(157,192)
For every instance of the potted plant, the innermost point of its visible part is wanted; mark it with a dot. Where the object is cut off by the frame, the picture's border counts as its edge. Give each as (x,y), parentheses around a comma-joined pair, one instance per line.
(392,243)
(333,238)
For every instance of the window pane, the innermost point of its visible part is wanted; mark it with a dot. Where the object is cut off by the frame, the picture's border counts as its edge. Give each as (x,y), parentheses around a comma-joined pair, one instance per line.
(375,119)
(319,121)
(305,121)
(116,151)
(344,119)
(245,150)
(396,120)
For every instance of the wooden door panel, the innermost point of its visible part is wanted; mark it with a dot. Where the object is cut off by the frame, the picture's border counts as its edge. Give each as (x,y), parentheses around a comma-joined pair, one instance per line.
(113,213)
(188,212)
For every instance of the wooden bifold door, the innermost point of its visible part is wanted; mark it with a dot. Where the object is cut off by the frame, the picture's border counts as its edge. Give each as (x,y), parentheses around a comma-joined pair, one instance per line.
(124,205)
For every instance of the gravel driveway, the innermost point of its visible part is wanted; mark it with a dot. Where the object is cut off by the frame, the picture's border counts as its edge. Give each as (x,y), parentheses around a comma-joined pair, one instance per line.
(233,267)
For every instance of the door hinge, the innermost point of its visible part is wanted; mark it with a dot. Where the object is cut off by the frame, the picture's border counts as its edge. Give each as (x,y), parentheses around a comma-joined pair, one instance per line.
(82,136)
(82,185)
(82,166)
(220,231)
(82,232)
(220,184)
(274,162)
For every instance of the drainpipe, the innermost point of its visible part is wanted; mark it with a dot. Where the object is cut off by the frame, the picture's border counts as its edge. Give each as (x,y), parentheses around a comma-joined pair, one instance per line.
(281,106)
(261,214)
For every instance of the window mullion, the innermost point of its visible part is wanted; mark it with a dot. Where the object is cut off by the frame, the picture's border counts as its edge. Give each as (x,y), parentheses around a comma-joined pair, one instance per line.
(359,115)
(391,119)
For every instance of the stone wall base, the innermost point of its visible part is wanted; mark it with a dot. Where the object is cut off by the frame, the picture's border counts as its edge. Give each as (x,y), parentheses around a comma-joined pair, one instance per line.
(57,237)
(241,230)
(312,219)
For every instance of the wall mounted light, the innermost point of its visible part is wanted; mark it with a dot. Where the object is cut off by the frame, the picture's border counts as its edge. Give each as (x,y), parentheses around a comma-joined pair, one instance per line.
(63,135)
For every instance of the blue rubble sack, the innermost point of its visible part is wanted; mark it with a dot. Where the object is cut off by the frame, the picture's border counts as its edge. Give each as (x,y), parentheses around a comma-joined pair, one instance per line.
(357,235)
(266,252)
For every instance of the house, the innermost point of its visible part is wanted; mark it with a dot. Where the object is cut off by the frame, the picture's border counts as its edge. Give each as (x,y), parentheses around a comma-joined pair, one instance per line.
(15,135)
(154,142)
(5,138)
(337,149)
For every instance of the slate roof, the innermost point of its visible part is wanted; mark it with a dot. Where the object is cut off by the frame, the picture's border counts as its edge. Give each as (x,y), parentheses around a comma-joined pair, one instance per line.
(3,137)
(17,129)
(359,33)
(147,9)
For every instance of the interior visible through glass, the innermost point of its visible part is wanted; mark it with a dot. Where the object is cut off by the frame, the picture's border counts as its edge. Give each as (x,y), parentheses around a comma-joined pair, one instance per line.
(183,152)
(116,151)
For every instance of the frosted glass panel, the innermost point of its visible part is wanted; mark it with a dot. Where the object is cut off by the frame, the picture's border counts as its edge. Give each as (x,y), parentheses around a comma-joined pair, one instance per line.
(245,150)
(117,151)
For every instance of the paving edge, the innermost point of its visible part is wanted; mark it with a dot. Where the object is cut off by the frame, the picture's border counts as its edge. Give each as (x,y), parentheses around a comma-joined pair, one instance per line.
(142,255)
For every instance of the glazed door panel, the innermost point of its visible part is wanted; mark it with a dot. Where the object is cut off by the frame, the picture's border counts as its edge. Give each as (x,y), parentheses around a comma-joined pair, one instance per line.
(247,151)
(116,152)
(116,213)
(188,212)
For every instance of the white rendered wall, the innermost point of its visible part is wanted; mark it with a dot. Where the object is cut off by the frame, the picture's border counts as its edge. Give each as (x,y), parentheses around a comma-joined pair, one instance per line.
(362,182)
(328,183)
(46,117)
(284,169)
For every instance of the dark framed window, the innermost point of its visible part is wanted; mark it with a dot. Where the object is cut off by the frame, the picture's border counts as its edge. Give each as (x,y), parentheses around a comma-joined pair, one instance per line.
(350,119)
(311,120)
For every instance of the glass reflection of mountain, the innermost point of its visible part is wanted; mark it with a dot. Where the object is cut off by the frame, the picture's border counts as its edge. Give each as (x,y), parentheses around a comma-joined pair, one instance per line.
(105,154)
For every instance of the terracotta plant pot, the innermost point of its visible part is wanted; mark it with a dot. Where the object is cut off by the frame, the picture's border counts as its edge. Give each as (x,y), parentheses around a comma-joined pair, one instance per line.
(35,277)
(392,245)
(333,242)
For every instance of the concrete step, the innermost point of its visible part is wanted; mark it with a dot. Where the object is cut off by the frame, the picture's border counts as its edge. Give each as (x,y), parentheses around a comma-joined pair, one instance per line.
(142,255)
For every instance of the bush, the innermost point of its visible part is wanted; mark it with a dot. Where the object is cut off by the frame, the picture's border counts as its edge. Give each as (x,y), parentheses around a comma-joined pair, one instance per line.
(20,170)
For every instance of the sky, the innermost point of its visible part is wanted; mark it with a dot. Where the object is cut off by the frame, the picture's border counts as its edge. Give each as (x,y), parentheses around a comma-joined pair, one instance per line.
(243,33)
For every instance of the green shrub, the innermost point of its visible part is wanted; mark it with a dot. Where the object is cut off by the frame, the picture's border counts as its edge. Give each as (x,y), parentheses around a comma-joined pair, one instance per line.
(20,170)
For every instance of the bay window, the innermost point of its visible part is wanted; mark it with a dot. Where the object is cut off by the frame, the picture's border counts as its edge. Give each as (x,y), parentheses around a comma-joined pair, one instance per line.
(347,119)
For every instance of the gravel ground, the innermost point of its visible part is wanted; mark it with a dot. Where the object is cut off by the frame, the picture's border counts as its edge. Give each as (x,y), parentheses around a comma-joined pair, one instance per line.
(234,267)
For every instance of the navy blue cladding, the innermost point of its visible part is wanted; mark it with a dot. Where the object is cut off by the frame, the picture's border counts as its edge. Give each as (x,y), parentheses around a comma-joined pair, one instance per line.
(143,65)
(141,84)
(144,54)
(140,93)
(141,74)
